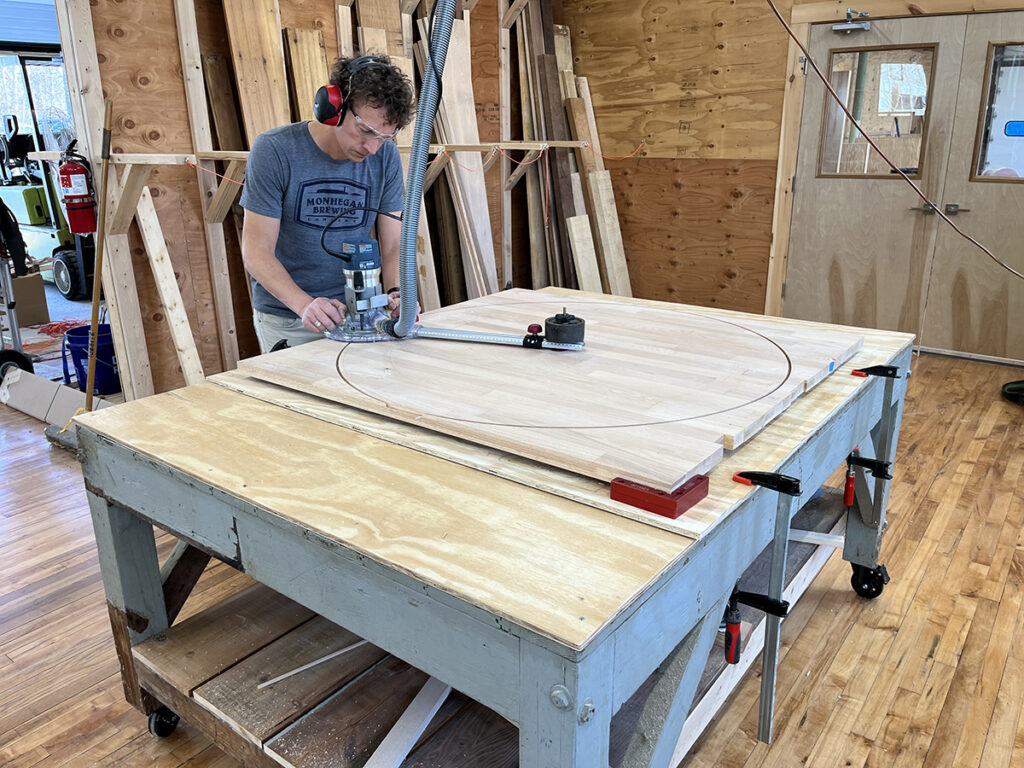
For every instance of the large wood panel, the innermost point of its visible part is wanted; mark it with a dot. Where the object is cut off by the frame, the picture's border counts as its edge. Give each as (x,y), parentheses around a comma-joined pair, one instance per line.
(653,398)
(696,231)
(692,79)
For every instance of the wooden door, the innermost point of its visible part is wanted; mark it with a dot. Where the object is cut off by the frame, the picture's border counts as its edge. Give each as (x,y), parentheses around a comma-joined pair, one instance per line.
(858,254)
(974,305)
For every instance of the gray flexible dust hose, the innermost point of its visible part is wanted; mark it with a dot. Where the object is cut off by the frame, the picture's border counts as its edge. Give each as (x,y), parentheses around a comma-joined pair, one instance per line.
(429,95)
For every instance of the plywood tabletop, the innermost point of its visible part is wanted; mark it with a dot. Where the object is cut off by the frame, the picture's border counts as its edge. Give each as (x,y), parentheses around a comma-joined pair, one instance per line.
(555,562)
(654,397)
(554,566)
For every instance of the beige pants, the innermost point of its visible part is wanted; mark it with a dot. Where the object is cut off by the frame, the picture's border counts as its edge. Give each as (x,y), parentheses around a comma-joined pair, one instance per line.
(270,329)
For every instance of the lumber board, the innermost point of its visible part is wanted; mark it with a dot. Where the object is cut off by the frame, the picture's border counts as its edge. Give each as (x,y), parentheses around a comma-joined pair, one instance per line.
(466,734)
(561,483)
(261,713)
(202,140)
(306,56)
(540,260)
(583,88)
(228,190)
(558,162)
(254,29)
(696,383)
(402,737)
(220,93)
(167,288)
(616,270)
(202,646)
(133,180)
(426,272)
(584,256)
(346,730)
(372,40)
(384,15)
(343,21)
(456,121)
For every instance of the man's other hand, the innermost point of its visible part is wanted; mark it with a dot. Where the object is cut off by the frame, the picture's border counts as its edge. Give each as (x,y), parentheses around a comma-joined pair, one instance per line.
(323,314)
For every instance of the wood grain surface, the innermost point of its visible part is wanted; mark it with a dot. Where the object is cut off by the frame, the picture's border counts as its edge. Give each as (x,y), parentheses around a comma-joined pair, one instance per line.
(446,525)
(260,713)
(346,730)
(198,648)
(653,397)
(697,231)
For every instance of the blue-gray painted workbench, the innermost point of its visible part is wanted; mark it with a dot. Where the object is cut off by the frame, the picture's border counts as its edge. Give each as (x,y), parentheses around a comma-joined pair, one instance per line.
(548,611)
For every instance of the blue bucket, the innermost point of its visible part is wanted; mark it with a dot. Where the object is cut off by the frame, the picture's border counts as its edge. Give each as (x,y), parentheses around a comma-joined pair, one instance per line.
(76,342)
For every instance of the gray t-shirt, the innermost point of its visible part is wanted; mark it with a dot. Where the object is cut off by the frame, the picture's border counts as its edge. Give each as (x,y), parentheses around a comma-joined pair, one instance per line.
(288,177)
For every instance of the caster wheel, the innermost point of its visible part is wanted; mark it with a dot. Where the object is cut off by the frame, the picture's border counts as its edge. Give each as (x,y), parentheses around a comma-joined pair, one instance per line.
(163,722)
(869,582)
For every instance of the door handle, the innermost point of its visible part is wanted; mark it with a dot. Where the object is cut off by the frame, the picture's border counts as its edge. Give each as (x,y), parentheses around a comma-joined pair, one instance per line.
(952,209)
(927,209)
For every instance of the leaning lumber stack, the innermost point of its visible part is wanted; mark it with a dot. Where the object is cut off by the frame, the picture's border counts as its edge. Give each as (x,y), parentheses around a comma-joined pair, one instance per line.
(580,245)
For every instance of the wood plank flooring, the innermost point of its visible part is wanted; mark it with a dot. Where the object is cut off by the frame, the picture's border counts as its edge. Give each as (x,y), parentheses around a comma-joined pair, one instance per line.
(927,675)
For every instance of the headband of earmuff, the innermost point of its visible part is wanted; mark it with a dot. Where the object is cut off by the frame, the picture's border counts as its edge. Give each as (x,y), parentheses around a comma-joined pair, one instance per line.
(330,104)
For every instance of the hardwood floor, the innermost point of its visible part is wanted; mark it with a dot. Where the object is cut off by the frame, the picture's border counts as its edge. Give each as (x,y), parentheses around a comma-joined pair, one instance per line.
(927,675)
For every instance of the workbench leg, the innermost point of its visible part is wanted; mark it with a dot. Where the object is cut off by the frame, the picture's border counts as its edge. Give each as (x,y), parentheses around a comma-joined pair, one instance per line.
(866,524)
(565,709)
(131,579)
(662,718)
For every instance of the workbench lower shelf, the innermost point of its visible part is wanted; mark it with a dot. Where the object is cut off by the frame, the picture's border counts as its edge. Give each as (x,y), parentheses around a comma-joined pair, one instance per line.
(215,669)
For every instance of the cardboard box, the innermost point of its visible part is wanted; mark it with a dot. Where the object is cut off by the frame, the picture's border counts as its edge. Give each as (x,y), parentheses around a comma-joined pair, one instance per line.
(31,300)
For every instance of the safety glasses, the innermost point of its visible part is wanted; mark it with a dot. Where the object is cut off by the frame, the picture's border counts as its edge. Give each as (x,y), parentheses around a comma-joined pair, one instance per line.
(368,130)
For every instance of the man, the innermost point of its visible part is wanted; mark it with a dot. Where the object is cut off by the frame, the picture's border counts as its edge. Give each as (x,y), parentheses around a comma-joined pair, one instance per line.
(299,177)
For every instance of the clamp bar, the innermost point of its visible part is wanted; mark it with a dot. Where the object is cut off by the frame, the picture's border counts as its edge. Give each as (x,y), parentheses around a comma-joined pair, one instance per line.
(788,489)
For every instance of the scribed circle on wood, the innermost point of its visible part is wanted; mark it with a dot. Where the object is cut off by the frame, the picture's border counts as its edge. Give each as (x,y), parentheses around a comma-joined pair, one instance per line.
(606,386)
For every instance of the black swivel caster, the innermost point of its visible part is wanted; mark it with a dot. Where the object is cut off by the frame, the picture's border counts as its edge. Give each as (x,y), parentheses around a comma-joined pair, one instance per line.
(869,582)
(163,722)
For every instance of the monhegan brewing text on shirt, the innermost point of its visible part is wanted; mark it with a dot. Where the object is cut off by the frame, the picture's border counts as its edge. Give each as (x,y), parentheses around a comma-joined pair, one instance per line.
(288,177)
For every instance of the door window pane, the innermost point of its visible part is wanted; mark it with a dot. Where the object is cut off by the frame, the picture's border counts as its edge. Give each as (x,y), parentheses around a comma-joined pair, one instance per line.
(886,90)
(1001,138)
(50,97)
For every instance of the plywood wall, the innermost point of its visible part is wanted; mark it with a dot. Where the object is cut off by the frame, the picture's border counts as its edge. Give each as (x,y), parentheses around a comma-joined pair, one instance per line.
(702,85)
(140,66)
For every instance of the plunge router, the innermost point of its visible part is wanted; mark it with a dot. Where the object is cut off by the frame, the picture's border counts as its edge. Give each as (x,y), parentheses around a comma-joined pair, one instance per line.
(367,313)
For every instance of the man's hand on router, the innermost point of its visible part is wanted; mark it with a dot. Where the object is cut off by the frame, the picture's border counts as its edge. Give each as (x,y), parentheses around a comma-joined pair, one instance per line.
(323,314)
(395,303)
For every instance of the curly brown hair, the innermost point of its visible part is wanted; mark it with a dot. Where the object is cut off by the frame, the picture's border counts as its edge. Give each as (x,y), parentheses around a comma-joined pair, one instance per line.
(382,87)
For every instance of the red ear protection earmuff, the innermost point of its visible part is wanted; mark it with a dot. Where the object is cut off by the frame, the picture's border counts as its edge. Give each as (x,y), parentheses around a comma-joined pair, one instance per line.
(329,103)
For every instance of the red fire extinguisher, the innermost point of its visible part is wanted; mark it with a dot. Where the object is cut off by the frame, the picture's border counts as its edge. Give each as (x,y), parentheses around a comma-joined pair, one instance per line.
(77,192)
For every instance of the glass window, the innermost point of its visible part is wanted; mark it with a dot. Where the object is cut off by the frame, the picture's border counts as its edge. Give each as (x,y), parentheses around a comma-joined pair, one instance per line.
(13,94)
(1000,151)
(50,97)
(886,90)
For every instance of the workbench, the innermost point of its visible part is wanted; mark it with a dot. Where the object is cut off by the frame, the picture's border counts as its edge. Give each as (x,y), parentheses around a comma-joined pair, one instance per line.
(546,610)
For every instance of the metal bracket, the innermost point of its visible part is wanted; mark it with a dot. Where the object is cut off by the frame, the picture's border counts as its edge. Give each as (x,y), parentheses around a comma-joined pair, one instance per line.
(850,25)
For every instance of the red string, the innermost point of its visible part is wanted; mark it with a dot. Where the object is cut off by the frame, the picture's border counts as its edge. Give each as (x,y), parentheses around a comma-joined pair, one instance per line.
(543,152)
(640,146)
(452,159)
(208,170)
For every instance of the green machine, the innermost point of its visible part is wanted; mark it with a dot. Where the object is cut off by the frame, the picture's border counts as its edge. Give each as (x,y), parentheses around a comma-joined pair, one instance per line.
(29,193)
